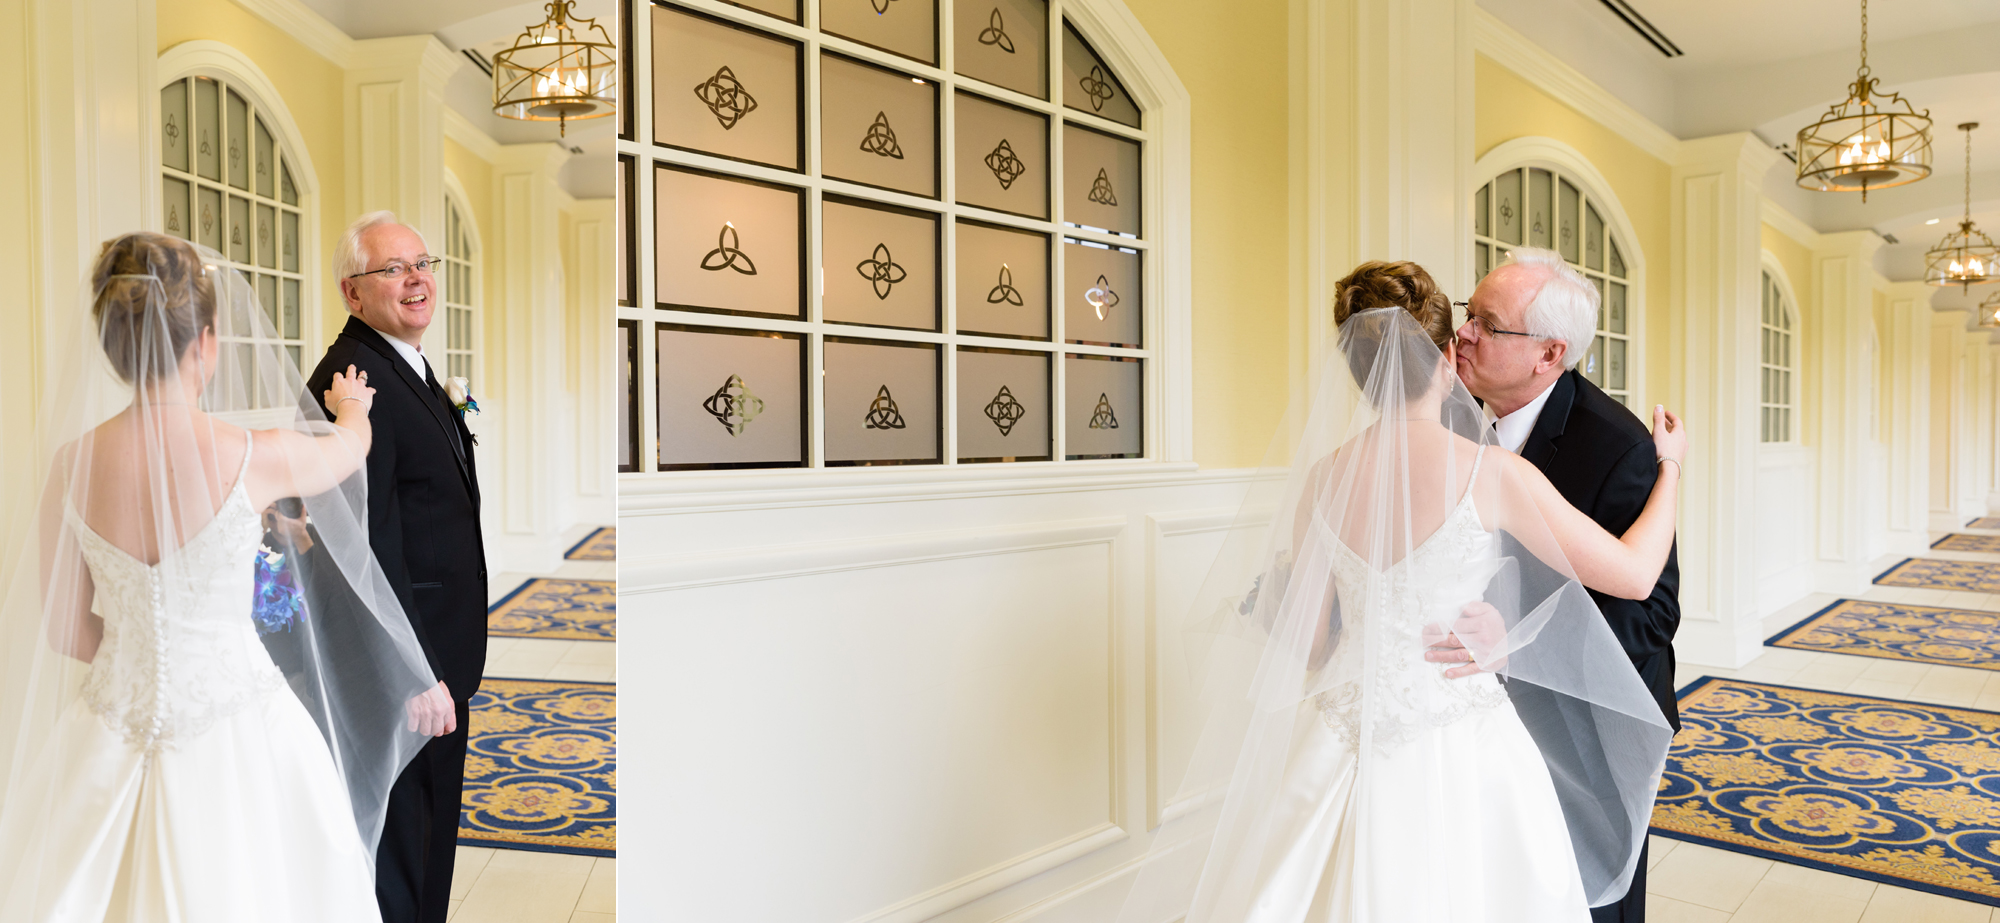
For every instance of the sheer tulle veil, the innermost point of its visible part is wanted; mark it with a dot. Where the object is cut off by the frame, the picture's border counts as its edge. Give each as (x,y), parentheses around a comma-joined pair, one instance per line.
(125,449)
(1367,470)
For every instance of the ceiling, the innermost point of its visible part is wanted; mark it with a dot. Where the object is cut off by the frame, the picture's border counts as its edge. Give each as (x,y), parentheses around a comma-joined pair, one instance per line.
(1728,32)
(489,26)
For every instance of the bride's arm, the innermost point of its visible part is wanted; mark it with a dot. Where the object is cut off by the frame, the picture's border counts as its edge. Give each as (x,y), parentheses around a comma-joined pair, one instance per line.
(73,630)
(1624,566)
(304,465)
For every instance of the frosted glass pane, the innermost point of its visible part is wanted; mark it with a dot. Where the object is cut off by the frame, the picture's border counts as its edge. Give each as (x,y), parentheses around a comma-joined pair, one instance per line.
(238,116)
(1101,296)
(1483,264)
(1593,362)
(725,89)
(1507,213)
(1101,186)
(1102,408)
(877,126)
(239,229)
(1541,209)
(881,266)
(1614,364)
(208,128)
(1481,204)
(1003,281)
(1617,261)
(727,245)
(1002,157)
(787,10)
(267,168)
(1566,228)
(1614,308)
(290,223)
(881,403)
(291,310)
(1003,405)
(622,224)
(628,449)
(727,399)
(287,193)
(1004,42)
(208,220)
(174,127)
(906,27)
(174,194)
(267,299)
(1593,236)
(1088,84)
(267,236)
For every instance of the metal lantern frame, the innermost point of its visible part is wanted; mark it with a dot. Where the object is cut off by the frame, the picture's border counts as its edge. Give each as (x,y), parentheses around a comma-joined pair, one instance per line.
(1988,311)
(557,71)
(1871,140)
(1965,257)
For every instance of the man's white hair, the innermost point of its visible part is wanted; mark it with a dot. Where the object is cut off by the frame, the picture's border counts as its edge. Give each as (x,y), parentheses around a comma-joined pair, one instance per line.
(348,255)
(1565,307)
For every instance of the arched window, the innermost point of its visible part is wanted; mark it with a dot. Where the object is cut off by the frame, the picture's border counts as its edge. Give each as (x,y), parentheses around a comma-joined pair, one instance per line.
(460,280)
(1541,207)
(228,182)
(1779,358)
(859,238)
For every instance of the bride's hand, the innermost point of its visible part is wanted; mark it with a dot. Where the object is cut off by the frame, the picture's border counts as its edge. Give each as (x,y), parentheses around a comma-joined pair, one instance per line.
(1670,438)
(1479,622)
(351,386)
(432,713)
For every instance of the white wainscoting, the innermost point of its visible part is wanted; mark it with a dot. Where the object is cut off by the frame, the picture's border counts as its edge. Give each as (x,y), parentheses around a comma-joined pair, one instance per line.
(1784,526)
(884,696)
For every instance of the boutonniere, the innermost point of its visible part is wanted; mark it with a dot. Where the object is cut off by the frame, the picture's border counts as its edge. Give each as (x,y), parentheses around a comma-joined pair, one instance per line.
(455,388)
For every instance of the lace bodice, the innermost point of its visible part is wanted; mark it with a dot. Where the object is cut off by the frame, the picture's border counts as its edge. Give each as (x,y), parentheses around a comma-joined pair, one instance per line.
(1403,693)
(180,650)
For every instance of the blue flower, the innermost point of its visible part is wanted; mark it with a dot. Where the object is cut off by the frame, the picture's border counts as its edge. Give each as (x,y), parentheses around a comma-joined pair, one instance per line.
(278,605)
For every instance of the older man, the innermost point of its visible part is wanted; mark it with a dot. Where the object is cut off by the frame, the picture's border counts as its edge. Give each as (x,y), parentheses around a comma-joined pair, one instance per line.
(423,522)
(1528,324)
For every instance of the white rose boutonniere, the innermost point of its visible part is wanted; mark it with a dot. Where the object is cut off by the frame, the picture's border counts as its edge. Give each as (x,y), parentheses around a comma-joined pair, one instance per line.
(457,389)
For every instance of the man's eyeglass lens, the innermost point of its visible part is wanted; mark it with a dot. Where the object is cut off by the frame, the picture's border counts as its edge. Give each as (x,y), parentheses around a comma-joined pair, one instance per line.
(396,270)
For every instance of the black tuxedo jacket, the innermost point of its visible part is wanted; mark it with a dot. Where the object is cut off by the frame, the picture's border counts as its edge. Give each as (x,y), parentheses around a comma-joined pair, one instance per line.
(1600,457)
(423,504)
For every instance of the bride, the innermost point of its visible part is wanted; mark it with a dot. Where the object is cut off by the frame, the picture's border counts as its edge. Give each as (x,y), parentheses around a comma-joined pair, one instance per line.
(1351,768)
(160,765)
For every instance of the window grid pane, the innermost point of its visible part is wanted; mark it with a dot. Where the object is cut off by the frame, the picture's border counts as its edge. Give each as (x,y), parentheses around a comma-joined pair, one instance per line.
(1777,360)
(457,282)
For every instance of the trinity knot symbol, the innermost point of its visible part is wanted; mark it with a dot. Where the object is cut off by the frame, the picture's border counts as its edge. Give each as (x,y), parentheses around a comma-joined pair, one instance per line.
(995,33)
(1005,166)
(1100,296)
(1537,228)
(173,219)
(882,270)
(881,139)
(1100,189)
(733,406)
(726,255)
(1097,87)
(1102,417)
(1005,411)
(882,413)
(203,149)
(1005,292)
(726,98)
(881,6)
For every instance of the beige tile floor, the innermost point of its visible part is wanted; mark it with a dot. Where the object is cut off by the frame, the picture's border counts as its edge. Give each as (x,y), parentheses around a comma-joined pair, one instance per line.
(1691,883)
(511,885)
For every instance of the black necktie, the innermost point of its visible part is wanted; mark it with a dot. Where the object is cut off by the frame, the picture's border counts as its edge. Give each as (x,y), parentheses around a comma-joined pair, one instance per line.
(451,413)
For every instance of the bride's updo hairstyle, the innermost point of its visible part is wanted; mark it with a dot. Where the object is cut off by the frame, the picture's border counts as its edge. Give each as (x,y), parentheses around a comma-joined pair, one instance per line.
(128,296)
(1379,284)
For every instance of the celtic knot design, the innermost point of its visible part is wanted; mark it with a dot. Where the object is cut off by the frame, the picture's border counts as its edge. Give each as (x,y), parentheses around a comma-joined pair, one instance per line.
(263,235)
(1005,292)
(1567,231)
(1096,86)
(727,254)
(725,96)
(173,219)
(1101,297)
(1100,189)
(881,6)
(882,271)
(207,220)
(1005,166)
(882,412)
(1005,411)
(1536,228)
(1102,417)
(733,406)
(881,139)
(173,130)
(1506,211)
(235,154)
(995,33)
(203,148)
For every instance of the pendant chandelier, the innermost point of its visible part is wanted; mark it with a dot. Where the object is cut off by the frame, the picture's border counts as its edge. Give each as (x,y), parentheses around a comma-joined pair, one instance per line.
(1989,311)
(1964,257)
(1870,141)
(557,71)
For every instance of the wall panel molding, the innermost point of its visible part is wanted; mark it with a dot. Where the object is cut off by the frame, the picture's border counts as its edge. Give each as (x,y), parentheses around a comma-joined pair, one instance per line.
(1517,53)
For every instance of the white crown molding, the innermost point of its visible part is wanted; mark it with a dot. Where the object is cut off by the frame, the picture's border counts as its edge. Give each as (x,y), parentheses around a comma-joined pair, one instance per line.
(1790,225)
(461,130)
(1515,52)
(312,30)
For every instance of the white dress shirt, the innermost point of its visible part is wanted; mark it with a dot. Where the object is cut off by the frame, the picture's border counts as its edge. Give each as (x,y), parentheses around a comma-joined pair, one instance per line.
(1514,428)
(414,355)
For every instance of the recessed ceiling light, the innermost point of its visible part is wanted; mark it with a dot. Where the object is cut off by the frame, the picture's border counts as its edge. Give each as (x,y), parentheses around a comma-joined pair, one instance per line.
(1932,221)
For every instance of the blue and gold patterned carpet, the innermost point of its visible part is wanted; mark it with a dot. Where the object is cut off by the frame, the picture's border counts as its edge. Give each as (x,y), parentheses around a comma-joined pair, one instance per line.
(1899,631)
(1959,541)
(601,545)
(1894,792)
(1933,574)
(541,771)
(1984,522)
(557,609)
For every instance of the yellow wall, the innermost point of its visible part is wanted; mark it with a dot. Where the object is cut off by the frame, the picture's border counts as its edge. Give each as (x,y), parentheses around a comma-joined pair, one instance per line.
(1232,59)
(1508,107)
(311,87)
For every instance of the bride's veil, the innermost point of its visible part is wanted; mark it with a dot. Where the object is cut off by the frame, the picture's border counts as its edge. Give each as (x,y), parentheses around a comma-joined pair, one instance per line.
(1360,479)
(128,471)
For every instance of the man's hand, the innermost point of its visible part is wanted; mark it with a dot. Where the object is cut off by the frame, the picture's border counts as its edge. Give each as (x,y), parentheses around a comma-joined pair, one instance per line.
(432,713)
(292,532)
(1479,623)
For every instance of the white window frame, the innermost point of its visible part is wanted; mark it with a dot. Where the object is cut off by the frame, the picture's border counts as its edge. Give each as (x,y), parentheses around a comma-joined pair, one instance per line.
(1570,164)
(474,366)
(1165,166)
(1773,281)
(206,58)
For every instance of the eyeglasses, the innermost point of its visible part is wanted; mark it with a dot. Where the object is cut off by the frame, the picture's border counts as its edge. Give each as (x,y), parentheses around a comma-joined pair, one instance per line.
(395,269)
(1483,328)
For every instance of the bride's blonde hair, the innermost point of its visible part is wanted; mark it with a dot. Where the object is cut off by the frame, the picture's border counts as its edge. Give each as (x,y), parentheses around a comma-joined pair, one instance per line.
(124,279)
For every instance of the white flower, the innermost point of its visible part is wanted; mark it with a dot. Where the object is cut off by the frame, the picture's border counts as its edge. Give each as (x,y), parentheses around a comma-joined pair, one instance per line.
(455,388)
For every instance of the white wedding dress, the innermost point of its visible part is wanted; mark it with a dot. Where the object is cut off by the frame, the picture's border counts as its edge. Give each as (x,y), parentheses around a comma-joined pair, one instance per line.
(189,785)
(1337,860)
